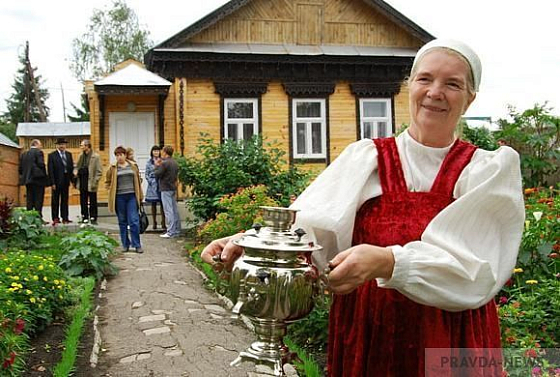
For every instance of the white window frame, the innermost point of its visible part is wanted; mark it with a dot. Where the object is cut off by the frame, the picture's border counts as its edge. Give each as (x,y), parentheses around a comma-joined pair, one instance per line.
(376,120)
(308,121)
(240,121)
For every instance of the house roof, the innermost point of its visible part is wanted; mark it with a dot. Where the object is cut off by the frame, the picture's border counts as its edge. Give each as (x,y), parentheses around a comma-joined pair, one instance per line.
(133,75)
(54,129)
(292,49)
(233,5)
(4,140)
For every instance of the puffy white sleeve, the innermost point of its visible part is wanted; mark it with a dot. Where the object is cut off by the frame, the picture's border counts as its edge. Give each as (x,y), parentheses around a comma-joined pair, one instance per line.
(468,251)
(327,208)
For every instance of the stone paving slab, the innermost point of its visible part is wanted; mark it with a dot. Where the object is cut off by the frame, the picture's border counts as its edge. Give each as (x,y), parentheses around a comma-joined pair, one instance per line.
(157,319)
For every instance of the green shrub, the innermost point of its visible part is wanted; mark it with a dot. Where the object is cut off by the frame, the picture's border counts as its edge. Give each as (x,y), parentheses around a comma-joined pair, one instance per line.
(26,228)
(535,134)
(482,137)
(87,252)
(221,169)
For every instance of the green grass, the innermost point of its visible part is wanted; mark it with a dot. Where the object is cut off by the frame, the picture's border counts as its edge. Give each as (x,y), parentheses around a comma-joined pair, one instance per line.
(307,367)
(74,331)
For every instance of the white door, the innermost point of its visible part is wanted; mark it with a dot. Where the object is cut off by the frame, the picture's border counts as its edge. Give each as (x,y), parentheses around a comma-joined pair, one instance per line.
(134,130)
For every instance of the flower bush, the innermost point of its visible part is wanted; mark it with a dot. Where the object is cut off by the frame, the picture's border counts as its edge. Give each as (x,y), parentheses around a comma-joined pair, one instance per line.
(529,304)
(13,343)
(35,287)
(25,229)
(240,212)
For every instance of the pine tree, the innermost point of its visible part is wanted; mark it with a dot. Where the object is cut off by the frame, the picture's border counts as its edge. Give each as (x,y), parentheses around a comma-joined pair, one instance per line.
(82,114)
(23,92)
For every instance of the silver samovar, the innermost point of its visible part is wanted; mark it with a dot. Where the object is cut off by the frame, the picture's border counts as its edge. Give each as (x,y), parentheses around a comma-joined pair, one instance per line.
(274,283)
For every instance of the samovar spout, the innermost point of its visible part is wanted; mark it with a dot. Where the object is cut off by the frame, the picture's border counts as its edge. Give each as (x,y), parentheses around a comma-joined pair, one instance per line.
(241,299)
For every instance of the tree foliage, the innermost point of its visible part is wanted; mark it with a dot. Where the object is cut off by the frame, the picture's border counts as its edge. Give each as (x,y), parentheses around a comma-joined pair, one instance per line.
(81,114)
(113,35)
(222,169)
(22,90)
(535,134)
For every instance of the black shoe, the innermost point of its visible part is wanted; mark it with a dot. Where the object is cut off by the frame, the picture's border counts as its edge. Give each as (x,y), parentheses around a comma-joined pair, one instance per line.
(139,250)
(93,221)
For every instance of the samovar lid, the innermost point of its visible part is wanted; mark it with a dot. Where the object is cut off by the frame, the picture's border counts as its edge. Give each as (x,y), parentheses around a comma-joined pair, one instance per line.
(276,235)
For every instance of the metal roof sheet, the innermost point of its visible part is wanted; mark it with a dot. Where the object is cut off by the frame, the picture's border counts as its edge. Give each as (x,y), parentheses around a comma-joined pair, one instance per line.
(54,129)
(4,140)
(292,49)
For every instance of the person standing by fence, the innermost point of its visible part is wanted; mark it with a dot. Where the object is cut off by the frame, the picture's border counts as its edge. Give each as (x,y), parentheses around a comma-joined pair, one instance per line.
(33,174)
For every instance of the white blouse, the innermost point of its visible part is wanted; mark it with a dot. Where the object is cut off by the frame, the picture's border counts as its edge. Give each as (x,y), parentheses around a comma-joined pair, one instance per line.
(466,253)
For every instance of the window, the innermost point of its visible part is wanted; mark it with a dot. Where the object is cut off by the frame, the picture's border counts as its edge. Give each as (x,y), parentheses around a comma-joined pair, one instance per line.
(240,118)
(309,128)
(375,118)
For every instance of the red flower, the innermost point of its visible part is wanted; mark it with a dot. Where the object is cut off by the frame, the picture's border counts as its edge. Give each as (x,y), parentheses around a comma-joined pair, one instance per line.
(19,326)
(9,361)
(503,300)
(553,255)
(531,353)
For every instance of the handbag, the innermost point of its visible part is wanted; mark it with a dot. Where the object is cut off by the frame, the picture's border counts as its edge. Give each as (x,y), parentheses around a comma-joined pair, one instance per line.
(143,219)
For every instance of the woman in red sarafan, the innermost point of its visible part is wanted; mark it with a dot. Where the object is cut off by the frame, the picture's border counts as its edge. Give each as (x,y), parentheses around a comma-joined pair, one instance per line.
(422,239)
(421,231)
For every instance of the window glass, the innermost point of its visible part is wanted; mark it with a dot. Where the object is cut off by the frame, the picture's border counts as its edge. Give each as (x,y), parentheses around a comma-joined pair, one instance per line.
(300,137)
(238,110)
(248,131)
(308,110)
(375,109)
(368,130)
(232,131)
(316,138)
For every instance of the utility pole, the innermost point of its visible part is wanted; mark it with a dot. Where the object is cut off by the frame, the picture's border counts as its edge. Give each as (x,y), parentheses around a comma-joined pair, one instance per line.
(30,78)
(63,104)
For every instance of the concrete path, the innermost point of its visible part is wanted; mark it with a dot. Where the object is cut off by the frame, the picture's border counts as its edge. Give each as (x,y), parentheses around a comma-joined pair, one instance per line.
(157,319)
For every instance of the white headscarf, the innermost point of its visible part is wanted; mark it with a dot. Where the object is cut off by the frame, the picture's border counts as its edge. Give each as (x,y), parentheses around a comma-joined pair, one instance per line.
(460,47)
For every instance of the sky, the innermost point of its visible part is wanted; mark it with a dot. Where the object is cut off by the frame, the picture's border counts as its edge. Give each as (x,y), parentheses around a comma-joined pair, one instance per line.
(515,39)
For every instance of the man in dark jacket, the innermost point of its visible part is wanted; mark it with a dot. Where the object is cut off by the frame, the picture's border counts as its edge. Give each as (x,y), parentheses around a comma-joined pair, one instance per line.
(166,171)
(33,174)
(61,173)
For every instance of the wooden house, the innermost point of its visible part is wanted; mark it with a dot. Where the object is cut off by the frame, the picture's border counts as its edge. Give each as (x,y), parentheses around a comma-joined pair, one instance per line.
(314,75)
(48,133)
(9,163)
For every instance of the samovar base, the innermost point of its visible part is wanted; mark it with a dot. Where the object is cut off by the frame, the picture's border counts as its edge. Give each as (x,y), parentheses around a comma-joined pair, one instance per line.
(269,349)
(263,354)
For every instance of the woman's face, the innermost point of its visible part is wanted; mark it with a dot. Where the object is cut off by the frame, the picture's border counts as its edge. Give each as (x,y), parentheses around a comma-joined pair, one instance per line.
(155,153)
(121,158)
(438,96)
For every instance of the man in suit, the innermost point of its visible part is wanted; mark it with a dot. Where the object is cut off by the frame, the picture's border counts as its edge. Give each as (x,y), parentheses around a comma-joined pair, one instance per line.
(61,173)
(33,174)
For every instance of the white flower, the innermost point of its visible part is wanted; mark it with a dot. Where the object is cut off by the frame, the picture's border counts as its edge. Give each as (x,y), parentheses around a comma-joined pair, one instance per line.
(537,215)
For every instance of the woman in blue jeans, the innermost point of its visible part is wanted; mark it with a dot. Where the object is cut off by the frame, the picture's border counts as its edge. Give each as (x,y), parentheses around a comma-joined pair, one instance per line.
(125,195)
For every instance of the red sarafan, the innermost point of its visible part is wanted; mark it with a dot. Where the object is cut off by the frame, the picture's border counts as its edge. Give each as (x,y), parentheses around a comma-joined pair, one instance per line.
(379,332)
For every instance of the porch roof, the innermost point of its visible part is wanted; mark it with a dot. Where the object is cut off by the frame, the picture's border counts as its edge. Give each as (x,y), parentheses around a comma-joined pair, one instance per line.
(133,75)
(54,129)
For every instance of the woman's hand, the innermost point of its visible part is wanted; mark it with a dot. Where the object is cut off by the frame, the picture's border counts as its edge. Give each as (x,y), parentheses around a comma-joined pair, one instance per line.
(353,267)
(224,247)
